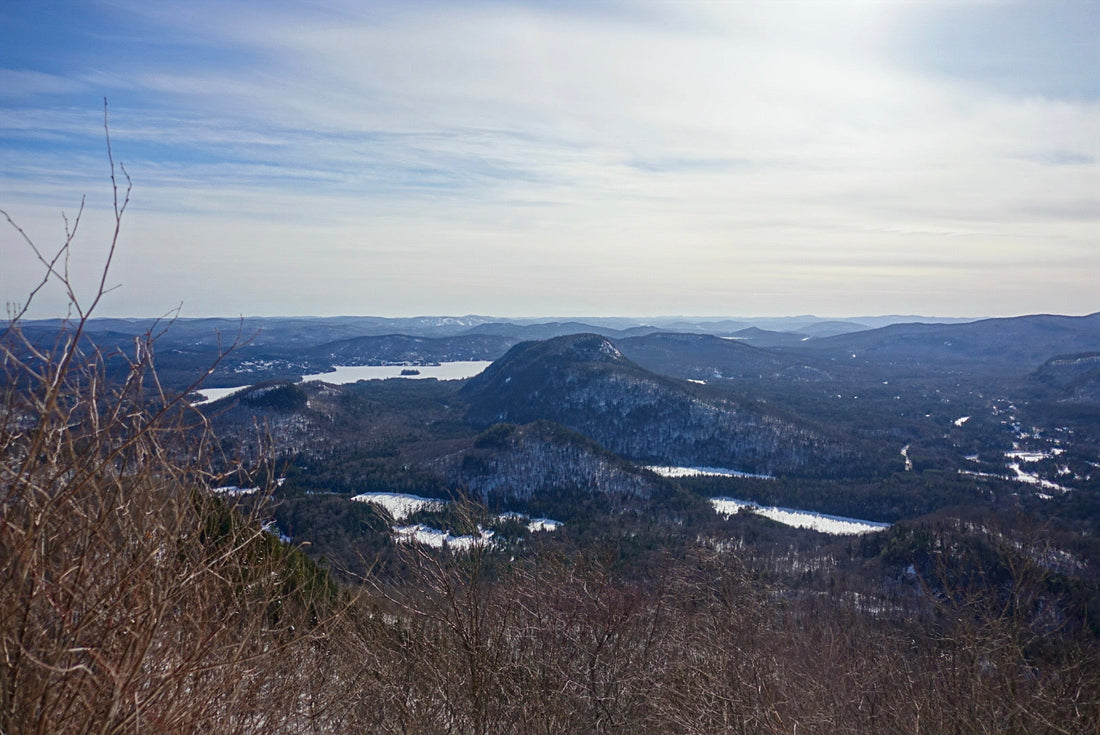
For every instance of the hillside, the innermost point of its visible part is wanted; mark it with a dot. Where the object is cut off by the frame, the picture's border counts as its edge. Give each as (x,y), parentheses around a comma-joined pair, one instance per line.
(1015,345)
(703,356)
(585,383)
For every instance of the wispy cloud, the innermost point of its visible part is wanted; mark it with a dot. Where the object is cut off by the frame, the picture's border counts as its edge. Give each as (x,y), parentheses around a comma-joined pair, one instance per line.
(510,157)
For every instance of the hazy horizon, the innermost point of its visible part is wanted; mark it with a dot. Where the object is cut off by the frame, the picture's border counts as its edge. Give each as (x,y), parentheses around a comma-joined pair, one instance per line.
(528,157)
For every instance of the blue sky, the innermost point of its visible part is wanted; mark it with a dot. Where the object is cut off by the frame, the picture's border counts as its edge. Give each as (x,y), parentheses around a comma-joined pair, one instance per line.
(560,158)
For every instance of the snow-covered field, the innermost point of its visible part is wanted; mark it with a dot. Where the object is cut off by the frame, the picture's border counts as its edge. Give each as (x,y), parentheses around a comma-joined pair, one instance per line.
(838,525)
(398,505)
(421,534)
(664,471)
(533,524)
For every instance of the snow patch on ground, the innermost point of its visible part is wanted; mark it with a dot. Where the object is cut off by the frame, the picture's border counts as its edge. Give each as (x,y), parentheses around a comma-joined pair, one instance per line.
(533,524)
(961,420)
(665,471)
(543,524)
(837,525)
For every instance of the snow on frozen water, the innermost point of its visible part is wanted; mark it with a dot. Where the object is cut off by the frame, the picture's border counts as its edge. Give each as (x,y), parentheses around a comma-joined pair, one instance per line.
(212,394)
(421,534)
(342,374)
(444,371)
(837,525)
(664,471)
(961,420)
(398,505)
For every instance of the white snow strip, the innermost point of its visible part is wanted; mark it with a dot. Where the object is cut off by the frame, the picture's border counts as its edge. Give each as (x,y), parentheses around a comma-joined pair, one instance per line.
(664,471)
(961,420)
(1034,456)
(398,505)
(1032,479)
(697,382)
(1020,476)
(837,525)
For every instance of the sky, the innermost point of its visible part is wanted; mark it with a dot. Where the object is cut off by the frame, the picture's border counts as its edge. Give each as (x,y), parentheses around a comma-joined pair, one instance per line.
(565,158)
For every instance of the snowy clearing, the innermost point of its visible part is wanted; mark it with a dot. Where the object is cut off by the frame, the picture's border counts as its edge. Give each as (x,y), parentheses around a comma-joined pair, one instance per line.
(1021,476)
(421,534)
(1024,456)
(961,420)
(533,524)
(664,471)
(836,525)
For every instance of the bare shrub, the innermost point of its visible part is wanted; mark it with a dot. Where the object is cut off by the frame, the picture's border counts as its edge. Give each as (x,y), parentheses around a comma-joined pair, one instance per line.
(131,599)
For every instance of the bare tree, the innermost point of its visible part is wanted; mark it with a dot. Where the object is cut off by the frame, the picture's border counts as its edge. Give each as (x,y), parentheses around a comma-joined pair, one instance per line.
(131,599)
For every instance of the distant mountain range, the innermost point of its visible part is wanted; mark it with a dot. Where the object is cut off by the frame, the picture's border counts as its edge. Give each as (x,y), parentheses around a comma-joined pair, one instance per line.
(800,348)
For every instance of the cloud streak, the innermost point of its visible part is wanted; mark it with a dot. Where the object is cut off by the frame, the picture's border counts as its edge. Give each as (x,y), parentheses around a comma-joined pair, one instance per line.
(522,158)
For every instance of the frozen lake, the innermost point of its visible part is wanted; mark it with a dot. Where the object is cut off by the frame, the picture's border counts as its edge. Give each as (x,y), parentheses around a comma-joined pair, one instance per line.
(443,371)
(342,374)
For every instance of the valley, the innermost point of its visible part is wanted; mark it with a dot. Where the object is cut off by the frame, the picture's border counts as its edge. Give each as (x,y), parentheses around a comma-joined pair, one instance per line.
(891,424)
